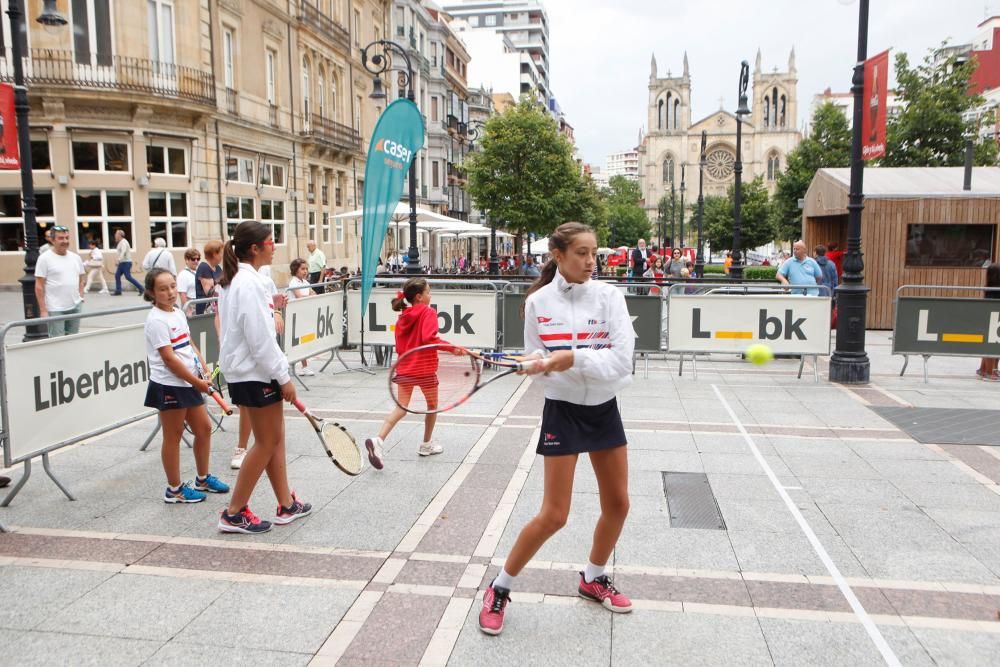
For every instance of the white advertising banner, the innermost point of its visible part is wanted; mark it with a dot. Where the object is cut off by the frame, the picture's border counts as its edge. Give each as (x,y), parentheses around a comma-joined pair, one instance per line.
(313,325)
(465,317)
(787,323)
(61,389)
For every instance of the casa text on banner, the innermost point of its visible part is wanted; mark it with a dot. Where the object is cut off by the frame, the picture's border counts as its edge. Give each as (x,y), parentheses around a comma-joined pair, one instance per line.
(398,135)
(874,106)
(10,156)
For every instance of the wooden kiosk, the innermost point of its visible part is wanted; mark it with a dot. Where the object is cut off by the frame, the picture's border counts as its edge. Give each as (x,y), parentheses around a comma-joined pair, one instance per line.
(919,227)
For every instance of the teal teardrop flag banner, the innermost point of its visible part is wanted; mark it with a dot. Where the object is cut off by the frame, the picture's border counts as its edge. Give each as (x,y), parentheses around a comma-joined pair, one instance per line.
(398,135)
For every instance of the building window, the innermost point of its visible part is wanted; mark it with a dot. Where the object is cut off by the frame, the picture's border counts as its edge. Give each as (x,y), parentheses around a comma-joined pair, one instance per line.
(311,225)
(166,160)
(781,114)
(337,196)
(239,170)
(474,21)
(357,116)
(305,89)
(434,109)
(357,28)
(100,213)
(227,57)
(774,107)
(767,110)
(773,167)
(338,230)
(490,20)
(326,227)
(12,220)
(659,115)
(949,245)
(270,59)
(92,43)
(168,218)
(272,212)
(677,114)
(160,15)
(668,170)
(100,156)
(238,209)
(40,154)
(435,179)
(321,92)
(324,191)
(310,184)
(333,98)
(273,175)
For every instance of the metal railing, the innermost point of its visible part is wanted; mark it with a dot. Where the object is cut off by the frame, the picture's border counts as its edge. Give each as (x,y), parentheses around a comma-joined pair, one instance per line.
(233,101)
(110,72)
(309,15)
(334,133)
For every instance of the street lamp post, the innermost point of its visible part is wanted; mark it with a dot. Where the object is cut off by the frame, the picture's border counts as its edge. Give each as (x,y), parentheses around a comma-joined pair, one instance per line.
(683,188)
(18,31)
(673,231)
(380,63)
(699,261)
(475,130)
(849,362)
(736,270)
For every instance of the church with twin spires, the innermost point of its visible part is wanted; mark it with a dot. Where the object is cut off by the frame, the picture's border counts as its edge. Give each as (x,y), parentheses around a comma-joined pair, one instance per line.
(673,141)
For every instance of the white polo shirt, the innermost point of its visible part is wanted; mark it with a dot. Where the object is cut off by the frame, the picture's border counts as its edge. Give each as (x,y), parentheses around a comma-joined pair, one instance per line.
(62,279)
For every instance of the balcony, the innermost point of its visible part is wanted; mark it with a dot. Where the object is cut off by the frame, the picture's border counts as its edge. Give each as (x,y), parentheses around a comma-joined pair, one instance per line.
(53,67)
(233,101)
(324,25)
(333,134)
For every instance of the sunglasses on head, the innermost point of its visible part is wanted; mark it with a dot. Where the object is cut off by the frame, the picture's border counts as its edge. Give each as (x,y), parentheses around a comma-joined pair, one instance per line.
(59,228)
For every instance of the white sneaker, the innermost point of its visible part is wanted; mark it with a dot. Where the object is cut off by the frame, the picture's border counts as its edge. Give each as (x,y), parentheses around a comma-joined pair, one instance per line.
(306,372)
(429,449)
(238,456)
(104,291)
(374,447)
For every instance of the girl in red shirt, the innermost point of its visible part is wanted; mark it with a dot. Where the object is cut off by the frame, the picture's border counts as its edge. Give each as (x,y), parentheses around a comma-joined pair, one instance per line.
(417,325)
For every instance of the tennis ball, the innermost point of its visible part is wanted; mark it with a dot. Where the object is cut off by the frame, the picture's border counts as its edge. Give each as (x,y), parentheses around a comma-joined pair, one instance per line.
(759,354)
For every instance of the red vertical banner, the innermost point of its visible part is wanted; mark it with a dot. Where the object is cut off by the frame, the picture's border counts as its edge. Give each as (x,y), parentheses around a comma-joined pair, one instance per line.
(874,106)
(10,157)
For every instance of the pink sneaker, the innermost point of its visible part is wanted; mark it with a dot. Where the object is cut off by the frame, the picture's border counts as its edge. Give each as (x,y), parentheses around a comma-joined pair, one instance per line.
(494,604)
(602,590)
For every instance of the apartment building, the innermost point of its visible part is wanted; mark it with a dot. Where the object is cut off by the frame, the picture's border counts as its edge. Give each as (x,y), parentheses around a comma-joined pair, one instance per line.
(177,119)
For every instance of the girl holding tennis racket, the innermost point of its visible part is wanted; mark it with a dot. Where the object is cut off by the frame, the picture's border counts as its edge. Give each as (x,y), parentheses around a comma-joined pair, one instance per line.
(583,340)
(177,384)
(257,373)
(417,325)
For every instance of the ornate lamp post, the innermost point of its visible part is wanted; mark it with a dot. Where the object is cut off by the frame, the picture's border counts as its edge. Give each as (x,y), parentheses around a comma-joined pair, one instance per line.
(736,270)
(380,63)
(683,188)
(849,363)
(18,29)
(699,261)
(475,131)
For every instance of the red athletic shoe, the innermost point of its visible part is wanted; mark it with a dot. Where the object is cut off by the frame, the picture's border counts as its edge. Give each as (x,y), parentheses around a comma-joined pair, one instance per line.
(494,604)
(602,590)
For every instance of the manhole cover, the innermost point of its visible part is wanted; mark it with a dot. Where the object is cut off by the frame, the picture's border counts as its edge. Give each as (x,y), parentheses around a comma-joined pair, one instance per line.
(691,502)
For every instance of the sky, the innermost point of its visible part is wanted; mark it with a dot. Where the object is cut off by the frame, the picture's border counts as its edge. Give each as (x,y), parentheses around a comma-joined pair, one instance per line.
(600,51)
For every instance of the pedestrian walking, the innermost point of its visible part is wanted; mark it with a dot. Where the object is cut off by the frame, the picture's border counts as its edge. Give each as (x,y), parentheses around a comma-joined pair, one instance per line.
(582,337)
(177,385)
(59,284)
(123,264)
(828,268)
(417,325)
(159,257)
(317,263)
(257,373)
(800,269)
(95,268)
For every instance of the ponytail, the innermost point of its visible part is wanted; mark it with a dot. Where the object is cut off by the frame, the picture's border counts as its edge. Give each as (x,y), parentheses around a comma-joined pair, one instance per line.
(411,288)
(246,235)
(230,264)
(545,276)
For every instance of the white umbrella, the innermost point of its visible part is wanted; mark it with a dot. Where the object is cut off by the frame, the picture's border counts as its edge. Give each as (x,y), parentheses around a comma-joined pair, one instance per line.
(540,246)
(402,214)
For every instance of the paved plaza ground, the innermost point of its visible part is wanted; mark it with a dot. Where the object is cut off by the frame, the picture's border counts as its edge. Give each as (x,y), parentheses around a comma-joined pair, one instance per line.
(392,564)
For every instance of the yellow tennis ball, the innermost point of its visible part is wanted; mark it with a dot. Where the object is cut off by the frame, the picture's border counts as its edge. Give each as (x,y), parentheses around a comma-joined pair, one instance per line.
(759,354)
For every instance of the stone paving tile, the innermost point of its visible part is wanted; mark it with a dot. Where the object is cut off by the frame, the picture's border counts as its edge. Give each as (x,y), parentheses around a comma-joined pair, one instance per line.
(946,562)
(648,637)
(538,580)
(569,545)
(133,606)
(791,553)
(269,617)
(948,647)
(507,446)
(410,621)
(820,598)
(772,517)
(797,642)
(658,546)
(282,563)
(555,636)
(936,472)
(960,496)
(75,548)
(25,648)
(846,465)
(746,487)
(685,589)
(875,449)
(430,573)
(177,652)
(872,493)
(977,459)
(32,594)
(945,605)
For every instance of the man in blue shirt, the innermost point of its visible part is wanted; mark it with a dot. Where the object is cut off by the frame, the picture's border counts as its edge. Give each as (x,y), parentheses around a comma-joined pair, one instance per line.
(801,269)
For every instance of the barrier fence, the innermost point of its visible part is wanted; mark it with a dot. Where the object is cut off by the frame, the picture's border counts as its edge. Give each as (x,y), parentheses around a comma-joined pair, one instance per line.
(52,395)
(946,326)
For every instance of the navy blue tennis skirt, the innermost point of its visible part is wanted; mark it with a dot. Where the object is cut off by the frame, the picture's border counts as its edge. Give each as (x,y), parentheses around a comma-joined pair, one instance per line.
(253,394)
(568,428)
(167,397)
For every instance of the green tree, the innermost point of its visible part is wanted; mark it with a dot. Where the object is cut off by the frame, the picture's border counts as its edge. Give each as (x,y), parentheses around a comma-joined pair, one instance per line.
(626,218)
(755,227)
(828,145)
(524,173)
(930,129)
(590,208)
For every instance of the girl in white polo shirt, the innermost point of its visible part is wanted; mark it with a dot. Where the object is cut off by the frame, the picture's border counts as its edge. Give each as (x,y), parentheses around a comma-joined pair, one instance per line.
(257,373)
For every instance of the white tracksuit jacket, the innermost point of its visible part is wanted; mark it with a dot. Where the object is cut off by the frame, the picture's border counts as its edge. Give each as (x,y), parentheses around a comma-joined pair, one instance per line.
(248,349)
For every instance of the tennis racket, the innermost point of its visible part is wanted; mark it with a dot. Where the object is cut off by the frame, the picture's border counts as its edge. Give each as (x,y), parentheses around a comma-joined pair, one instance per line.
(340,445)
(446,376)
(213,391)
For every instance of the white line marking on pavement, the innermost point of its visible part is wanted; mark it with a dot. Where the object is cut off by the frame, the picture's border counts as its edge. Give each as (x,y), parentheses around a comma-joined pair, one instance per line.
(859,611)
(446,635)
(336,644)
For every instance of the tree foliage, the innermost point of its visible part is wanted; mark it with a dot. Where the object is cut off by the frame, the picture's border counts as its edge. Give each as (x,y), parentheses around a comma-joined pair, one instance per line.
(524,174)
(828,145)
(626,218)
(755,227)
(930,129)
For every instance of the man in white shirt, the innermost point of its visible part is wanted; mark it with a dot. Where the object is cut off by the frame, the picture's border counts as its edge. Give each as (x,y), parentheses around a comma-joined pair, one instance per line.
(59,278)
(159,257)
(317,263)
(123,260)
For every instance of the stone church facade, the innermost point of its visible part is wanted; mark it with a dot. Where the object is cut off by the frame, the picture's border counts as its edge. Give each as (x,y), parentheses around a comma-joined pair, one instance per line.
(673,141)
